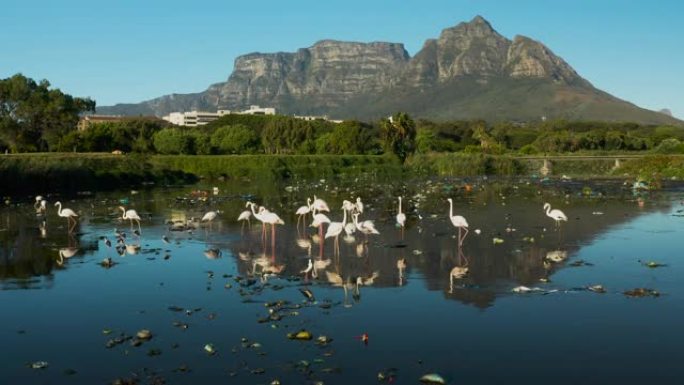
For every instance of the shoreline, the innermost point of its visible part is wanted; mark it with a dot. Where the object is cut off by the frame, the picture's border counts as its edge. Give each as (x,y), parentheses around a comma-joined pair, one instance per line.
(63,172)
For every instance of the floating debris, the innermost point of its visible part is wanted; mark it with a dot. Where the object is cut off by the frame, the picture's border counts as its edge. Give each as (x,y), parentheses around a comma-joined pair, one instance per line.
(387,375)
(323,340)
(144,335)
(581,262)
(303,335)
(432,378)
(209,348)
(641,292)
(308,294)
(497,241)
(154,352)
(38,365)
(653,264)
(107,263)
(596,289)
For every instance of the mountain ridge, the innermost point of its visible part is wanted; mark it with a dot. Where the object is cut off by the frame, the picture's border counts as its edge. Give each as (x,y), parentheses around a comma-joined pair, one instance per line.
(468,71)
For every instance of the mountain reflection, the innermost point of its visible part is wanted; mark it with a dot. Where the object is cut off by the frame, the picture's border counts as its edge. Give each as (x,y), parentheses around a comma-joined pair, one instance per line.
(511,242)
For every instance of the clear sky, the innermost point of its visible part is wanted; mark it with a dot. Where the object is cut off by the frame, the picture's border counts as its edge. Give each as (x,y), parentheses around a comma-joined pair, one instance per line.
(133,50)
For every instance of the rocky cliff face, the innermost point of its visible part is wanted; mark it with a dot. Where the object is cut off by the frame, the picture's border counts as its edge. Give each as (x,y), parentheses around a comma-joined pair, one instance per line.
(331,76)
(329,71)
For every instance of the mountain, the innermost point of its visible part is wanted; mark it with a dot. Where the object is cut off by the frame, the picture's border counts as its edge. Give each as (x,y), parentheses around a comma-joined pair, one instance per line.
(469,71)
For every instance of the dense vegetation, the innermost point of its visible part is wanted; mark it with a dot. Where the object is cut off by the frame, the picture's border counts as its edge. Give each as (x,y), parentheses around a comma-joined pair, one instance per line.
(36,118)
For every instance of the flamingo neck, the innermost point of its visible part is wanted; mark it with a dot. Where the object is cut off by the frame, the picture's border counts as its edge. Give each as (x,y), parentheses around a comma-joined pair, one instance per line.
(59,208)
(399,205)
(548,210)
(344,218)
(451,209)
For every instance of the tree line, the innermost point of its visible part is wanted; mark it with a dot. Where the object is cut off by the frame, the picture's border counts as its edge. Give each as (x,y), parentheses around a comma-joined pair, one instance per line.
(34,117)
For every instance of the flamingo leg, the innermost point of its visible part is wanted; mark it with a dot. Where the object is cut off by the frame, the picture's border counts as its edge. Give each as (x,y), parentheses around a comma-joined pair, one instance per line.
(464,235)
(459,237)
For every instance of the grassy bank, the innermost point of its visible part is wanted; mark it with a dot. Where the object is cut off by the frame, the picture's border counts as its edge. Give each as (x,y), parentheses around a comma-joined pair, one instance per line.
(276,166)
(77,172)
(80,172)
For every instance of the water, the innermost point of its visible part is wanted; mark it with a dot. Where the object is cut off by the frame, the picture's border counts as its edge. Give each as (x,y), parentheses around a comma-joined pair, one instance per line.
(473,330)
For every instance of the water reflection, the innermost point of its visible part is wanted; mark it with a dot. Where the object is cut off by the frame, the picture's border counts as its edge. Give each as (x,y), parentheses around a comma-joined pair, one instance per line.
(512,243)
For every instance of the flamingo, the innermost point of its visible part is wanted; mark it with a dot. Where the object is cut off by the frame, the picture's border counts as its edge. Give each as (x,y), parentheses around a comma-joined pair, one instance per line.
(130,215)
(69,214)
(210,216)
(245,216)
(458,222)
(271,219)
(259,217)
(401,219)
(367,227)
(359,205)
(319,205)
(318,221)
(335,229)
(66,253)
(555,214)
(40,205)
(303,210)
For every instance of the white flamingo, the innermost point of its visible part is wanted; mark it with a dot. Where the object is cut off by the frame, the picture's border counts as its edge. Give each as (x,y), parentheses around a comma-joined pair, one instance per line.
(66,253)
(367,227)
(458,222)
(347,205)
(259,217)
(303,210)
(335,229)
(318,221)
(319,205)
(401,219)
(210,216)
(130,215)
(555,214)
(69,214)
(40,205)
(245,217)
(359,205)
(271,219)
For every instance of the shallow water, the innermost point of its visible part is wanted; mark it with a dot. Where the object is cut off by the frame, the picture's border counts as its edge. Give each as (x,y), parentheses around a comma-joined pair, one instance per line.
(471,330)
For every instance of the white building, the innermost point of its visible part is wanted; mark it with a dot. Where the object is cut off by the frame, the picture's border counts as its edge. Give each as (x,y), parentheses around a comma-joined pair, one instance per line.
(256,110)
(200,118)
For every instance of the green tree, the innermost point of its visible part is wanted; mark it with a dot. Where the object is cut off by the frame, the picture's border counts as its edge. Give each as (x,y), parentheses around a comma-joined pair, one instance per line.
(34,117)
(235,139)
(351,137)
(172,141)
(399,135)
(426,140)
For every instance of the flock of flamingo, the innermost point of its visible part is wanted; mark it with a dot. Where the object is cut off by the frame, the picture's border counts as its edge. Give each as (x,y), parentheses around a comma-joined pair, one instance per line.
(316,209)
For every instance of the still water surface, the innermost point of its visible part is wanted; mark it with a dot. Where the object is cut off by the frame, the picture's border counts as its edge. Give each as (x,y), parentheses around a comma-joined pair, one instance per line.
(210,286)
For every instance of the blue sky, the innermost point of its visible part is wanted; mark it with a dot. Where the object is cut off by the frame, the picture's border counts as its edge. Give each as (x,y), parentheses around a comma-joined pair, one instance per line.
(129,51)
